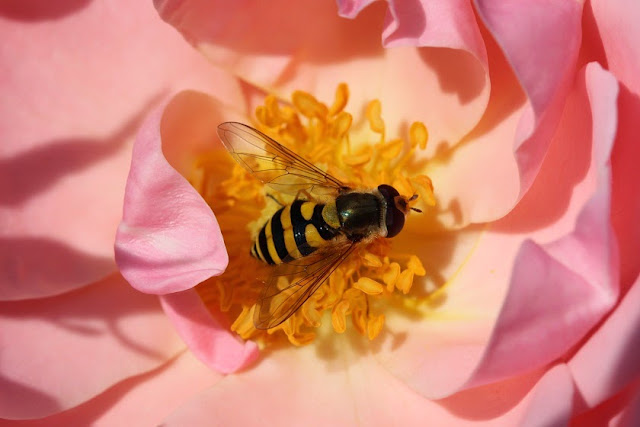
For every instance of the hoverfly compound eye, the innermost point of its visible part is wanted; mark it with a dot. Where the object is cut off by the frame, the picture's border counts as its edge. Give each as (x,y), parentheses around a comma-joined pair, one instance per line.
(395,216)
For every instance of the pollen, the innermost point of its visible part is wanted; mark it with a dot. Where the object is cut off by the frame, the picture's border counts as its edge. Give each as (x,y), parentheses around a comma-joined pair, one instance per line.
(355,294)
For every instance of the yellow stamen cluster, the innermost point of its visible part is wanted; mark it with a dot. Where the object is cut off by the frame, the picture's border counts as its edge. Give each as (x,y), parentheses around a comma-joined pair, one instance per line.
(321,134)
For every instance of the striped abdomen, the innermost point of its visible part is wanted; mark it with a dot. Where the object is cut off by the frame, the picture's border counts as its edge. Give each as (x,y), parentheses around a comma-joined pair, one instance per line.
(295,231)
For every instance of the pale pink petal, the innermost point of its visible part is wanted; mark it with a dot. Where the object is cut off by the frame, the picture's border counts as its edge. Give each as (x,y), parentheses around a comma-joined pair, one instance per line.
(580,271)
(551,262)
(560,289)
(541,40)
(551,400)
(351,8)
(169,240)
(207,334)
(82,75)
(608,361)
(39,266)
(141,400)
(617,26)
(342,387)
(482,193)
(537,399)
(314,49)
(449,24)
(61,351)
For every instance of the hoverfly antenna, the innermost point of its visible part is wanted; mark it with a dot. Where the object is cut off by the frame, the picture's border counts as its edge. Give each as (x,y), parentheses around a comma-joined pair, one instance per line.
(411,199)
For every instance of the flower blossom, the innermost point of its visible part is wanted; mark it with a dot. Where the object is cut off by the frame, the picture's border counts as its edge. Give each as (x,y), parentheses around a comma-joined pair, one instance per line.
(527,309)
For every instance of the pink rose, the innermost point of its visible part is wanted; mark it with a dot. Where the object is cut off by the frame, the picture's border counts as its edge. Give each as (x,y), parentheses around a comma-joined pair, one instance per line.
(535,320)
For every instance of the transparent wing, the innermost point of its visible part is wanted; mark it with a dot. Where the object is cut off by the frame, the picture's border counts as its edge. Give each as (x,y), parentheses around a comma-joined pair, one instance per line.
(274,164)
(291,284)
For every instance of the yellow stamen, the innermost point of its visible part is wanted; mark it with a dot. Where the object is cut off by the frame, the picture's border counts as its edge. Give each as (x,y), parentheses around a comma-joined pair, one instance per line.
(368,286)
(339,316)
(341,125)
(391,275)
(359,159)
(371,260)
(424,187)
(374,326)
(414,264)
(418,135)
(405,280)
(342,96)
(391,150)
(308,105)
(374,115)
(242,206)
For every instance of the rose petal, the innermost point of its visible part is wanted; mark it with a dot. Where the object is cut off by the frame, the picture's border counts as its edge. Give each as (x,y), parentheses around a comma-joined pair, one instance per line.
(621,409)
(473,196)
(541,41)
(550,403)
(566,281)
(630,415)
(169,239)
(208,334)
(421,24)
(144,399)
(626,181)
(290,387)
(75,92)
(608,361)
(414,85)
(61,351)
(351,8)
(617,35)
(40,266)
(616,21)
(579,271)
(540,399)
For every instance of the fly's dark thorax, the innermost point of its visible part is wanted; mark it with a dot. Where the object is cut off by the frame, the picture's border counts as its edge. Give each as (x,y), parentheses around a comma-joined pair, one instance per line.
(295,231)
(361,214)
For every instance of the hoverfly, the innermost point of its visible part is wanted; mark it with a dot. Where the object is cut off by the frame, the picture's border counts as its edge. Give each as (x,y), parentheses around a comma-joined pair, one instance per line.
(305,241)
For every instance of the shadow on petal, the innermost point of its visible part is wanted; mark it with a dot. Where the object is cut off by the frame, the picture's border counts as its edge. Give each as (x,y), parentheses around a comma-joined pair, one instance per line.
(28,174)
(491,400)
(80,343)
(16,392)
(459,72)
(32,267)
(304,24)
(40,10)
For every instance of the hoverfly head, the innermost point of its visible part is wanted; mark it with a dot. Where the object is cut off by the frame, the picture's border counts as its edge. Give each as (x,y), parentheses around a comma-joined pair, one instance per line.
(397,208)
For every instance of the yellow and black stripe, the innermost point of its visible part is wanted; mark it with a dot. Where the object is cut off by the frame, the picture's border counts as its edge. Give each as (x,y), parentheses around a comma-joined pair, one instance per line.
(295,231)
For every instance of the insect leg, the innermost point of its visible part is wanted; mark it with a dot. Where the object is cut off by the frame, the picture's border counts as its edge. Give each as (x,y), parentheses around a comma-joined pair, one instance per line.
(305,193)
(272,197)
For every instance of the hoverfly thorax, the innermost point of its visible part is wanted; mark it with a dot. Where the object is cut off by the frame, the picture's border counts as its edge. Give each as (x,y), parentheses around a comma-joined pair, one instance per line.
(360,214)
